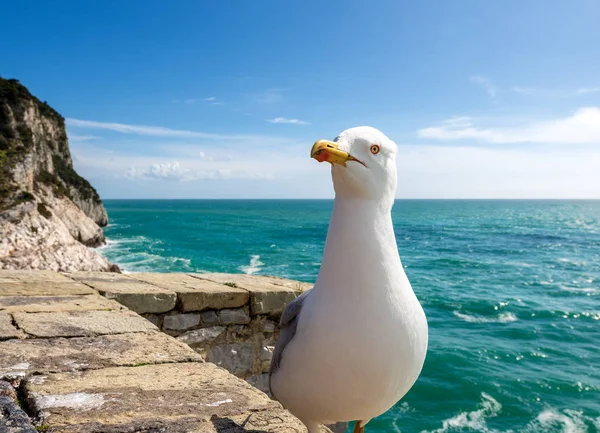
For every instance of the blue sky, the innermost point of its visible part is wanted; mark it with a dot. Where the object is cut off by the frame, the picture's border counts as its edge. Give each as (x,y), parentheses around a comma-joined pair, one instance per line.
(194,99)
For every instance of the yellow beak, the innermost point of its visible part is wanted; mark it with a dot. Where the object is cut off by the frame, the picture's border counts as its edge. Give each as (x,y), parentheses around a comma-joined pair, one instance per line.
(325,150)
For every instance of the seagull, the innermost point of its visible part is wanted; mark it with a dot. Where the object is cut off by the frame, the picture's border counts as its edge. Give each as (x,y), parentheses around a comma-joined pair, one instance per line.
(354,344)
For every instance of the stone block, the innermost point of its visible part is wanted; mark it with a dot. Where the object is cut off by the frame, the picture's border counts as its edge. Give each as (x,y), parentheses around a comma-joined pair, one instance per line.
(181,322)
(44,304)
(189,397)
(48,288)
(134,294)
(7,329)
(237,358)
(195,294)
(203,337)
(32,276)
(209,318)
(82,323)
(19,358)
(268,295)
(238,316)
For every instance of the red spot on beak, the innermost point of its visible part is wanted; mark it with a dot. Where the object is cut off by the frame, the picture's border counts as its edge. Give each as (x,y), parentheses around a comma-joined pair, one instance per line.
(322,156)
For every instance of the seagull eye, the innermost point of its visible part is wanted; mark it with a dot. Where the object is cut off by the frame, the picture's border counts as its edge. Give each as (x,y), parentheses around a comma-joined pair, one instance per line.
(374,149)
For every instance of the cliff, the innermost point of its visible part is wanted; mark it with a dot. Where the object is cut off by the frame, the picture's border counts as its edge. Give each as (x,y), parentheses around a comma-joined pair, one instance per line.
(49,215)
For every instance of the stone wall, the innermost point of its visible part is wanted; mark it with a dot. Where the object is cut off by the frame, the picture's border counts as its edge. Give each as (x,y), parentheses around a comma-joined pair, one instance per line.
(231,320)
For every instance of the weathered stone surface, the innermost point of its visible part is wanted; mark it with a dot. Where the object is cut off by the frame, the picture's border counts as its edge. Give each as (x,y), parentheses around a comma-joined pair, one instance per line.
(181,322)
(188,397)
(32,277)
(134,294)
(12,417)
(196,294)
(41,356)
(268,295)
(6,390)
(7,329)
(38,304)
(202,336)
(266,354)
(260,381)
(238,316)
(49,288)
(82,323)
(209,318)
(237,358)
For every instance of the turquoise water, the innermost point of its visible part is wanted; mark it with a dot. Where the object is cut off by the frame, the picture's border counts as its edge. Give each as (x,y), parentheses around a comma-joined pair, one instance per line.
(511,290)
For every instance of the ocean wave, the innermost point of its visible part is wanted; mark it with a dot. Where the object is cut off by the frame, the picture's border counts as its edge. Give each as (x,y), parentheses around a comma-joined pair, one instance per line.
(500,318)
(550,420)
(569,421)
(474,420)
(254,266)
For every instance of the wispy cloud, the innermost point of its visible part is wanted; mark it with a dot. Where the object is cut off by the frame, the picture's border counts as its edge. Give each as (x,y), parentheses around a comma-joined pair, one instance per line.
(269,96)
(486,83)
(286,120)
(157,131)
(210,98)
(75,137)
(559,93)
(582,127)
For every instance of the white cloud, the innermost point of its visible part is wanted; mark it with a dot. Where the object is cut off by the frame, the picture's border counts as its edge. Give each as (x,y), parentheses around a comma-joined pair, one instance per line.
(210,98)
(560,93)
(487,84)
(269,96)
(157,131)
(286,120)
(498,172)
(582,127)
(75,137)
(586,90)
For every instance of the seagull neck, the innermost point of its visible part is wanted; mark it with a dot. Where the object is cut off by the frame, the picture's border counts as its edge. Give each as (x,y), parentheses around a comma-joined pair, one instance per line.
(360,243)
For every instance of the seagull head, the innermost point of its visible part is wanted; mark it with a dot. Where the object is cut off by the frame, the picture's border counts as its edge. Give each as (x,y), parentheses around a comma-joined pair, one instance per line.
(363,163)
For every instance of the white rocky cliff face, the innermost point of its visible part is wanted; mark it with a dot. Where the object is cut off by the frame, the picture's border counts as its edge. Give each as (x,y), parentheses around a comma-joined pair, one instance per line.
(49,215)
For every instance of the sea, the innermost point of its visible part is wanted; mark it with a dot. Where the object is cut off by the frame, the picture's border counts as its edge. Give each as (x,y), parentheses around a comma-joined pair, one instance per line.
(511,290)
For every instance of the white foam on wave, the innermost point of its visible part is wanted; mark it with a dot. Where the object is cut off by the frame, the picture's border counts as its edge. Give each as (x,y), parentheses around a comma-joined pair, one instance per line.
(474,420)
(500,318)
(550,420)
(569,421)
(253,267)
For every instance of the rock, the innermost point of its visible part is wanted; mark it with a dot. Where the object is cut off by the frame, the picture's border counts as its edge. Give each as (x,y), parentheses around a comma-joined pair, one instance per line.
(189,397)
(260,381)
(201,337)
(209,318)
(181,322)
(268,295)
(195,294)
(12,417)
(6,390)
(7,329)
(237,358)
(238,316)
(136,295)
(49,214)
(19,358)
(81,323)
(37,304)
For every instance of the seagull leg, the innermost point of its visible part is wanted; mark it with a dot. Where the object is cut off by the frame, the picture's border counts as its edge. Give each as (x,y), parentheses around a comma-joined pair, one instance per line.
(359,427)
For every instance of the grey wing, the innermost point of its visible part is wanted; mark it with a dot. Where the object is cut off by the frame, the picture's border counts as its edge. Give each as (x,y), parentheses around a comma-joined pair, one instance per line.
(288,324)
